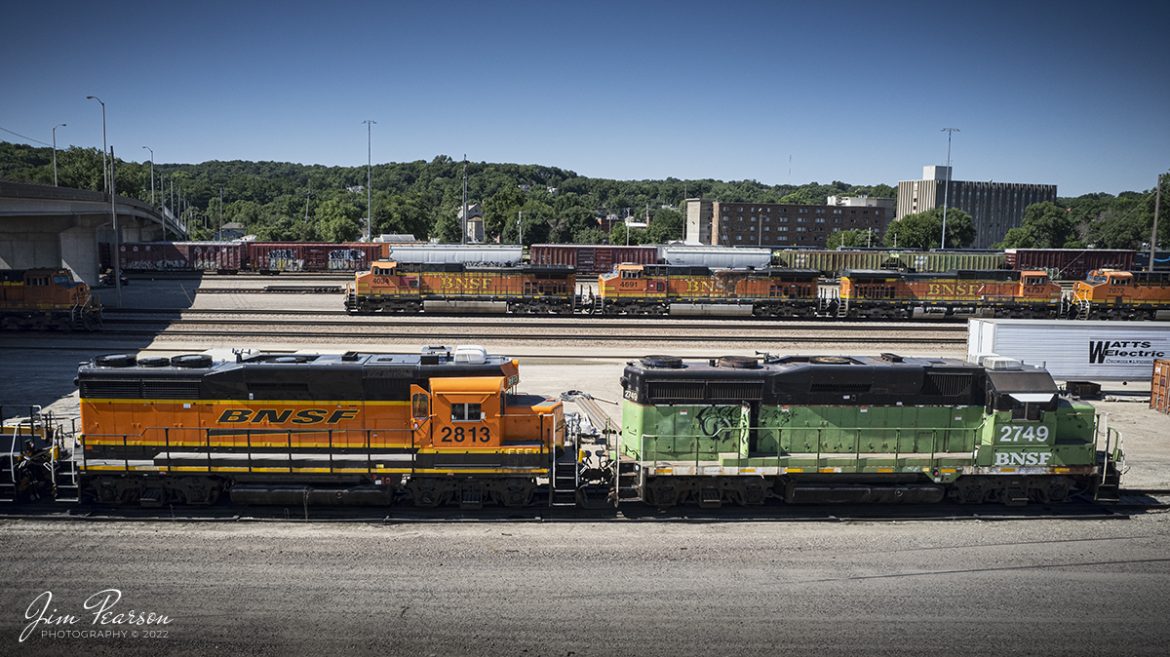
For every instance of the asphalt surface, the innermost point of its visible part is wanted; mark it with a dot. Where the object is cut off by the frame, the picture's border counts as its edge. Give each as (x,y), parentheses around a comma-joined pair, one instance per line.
(1090,587)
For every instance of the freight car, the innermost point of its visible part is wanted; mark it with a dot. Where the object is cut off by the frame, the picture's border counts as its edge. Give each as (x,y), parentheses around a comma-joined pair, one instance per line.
(885,294)
(663,289)
(358,428)
(834,262)
(277,257)
(1114,294)
(1069,264)
(592,258)
(46,298)
(397,287)
(218,257)
(856,429)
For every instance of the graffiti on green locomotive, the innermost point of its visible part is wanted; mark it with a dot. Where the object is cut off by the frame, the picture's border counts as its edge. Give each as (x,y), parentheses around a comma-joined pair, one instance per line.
(859,429)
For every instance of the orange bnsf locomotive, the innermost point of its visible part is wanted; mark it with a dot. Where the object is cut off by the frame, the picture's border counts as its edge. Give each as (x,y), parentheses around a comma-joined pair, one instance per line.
(46,298)
(356,428)
(397,287)
(1116,294)
(895,295)
(663,289)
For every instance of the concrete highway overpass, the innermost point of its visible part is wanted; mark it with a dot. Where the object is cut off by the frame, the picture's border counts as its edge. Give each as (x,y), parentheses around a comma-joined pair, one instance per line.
(46,226)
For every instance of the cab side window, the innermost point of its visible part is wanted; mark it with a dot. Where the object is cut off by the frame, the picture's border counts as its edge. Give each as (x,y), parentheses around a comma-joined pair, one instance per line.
(466,413)
(419,408)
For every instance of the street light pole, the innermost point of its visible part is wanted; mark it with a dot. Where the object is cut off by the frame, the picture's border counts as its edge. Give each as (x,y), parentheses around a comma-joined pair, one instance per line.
(946,188)
(117,238)
(369,190)
(151,174)
(105,167)
(1154,230)
(59,125)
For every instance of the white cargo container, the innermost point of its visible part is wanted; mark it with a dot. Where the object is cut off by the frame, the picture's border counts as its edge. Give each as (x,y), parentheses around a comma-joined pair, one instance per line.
(716,256)
(468,254)
(1073,350)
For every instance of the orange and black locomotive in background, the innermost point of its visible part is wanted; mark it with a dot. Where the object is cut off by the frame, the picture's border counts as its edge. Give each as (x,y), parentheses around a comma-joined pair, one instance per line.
(1006,293)
(396,287)
(362,428)
(1117,294)
(662,289)
(46,298)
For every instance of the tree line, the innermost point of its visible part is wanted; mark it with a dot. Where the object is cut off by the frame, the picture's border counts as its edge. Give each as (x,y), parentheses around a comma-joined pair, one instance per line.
(285,201)
(282,201)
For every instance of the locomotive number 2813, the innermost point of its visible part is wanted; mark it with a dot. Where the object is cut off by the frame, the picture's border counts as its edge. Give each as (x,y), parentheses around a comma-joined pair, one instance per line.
(462,434)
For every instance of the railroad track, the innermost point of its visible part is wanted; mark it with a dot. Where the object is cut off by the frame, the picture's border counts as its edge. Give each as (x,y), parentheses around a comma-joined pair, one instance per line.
(431,334)
(127,317)
(1133,503)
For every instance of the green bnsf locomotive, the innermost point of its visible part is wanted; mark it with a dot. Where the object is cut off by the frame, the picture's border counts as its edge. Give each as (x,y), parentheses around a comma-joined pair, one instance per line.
(827,429)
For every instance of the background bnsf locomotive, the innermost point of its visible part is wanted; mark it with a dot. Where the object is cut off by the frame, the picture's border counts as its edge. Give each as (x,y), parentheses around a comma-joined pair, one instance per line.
(882,294)
(393,287)
(1115,294)
(662,289)
(448,428)
(855,429)
(46,298)
(352,428)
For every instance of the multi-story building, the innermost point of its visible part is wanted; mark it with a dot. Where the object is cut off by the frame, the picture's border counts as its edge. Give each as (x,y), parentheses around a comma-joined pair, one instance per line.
(777,225)
(995,207)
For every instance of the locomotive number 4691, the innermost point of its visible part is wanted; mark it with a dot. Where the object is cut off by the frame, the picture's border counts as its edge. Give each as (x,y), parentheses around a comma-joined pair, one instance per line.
(1014,433)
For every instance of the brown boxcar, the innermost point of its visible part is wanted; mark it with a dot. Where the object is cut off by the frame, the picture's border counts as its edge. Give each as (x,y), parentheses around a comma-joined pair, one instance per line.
(1160,386)
(46,298)
(656,289)
(276,257)
(393,287)
(1069,264)
(591,258)
(895,294)
(221,257)
(1115,294)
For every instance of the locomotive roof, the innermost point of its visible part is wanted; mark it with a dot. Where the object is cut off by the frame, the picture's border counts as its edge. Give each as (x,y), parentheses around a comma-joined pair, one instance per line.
(888,379)
(349,376)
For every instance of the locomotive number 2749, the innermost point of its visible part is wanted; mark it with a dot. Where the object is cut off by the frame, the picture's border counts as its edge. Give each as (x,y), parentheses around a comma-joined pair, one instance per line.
(468,434)
(1013,433)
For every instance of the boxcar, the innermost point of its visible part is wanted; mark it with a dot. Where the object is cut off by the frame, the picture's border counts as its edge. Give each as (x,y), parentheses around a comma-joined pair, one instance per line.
(276,257)
(591,258)
(1069,264)
(220,257)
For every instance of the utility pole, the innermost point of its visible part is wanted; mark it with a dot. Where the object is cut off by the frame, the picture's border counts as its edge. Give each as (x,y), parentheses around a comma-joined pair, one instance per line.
(59,125)
(463,221)
(369,190)
(520,227)
(946,188)
(151,174)
(1154,231)
(221,212)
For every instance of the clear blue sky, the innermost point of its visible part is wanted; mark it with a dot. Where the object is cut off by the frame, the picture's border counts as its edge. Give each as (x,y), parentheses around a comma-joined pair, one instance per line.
(1076,94)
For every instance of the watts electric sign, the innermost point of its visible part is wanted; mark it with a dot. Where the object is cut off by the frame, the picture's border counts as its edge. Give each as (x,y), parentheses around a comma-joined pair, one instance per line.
(1110,351)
